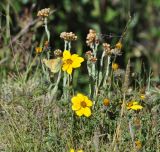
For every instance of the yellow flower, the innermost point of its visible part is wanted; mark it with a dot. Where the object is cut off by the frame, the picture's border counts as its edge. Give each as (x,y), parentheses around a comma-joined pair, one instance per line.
(106,102)
(133,105)
(138,144)
(142,96)
(81,105)
(115,66)
(119,45)
(71,61)
(72,150)
(38,50)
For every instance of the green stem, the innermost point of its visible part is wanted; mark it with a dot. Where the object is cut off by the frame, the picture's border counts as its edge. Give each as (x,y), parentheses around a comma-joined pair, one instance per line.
(46,28)
(56,85)
(107,71)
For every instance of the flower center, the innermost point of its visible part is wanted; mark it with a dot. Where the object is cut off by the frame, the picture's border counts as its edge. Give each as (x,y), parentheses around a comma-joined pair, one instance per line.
(83,104)
(69,61)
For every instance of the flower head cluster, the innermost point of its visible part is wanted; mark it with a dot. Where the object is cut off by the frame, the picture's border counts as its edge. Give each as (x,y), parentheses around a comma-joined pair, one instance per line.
(58,53)
(81,105)
(90,57)
(68,36)
(134,105)
(71,61)
(91,37)
(44,12)
(107,48)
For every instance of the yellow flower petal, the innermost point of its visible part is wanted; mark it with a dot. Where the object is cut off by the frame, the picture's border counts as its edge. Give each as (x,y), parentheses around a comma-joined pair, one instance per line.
(80,96)
(76,107)
(65,67)
(74,56)
(88,102)
(77,63)
(66,55)
(69,70)
(79,112)
(71,150)
(134,102)
(136,107)
(87,112)
(75,99)
(80,151)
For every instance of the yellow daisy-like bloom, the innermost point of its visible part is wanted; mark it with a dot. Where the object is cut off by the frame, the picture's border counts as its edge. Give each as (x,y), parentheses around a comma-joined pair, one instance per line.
(119,45)
(72,150)
(81,105)
(115,66)
(106,102)
(134,105)
(71,61)
(142,96)
(38,50)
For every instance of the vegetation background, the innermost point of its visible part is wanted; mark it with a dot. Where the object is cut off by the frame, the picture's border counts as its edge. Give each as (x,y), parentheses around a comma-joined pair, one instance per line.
(21,33)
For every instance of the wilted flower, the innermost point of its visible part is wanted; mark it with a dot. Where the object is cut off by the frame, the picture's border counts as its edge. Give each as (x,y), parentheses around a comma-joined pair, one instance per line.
(71,61)
(115,66)
(137,123)
(138,144)
(38,49)
(68,36)
(44,12)
(81,105)
(134,105)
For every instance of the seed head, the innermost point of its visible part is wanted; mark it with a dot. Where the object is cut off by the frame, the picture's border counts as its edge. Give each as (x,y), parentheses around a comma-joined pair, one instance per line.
(93,59)
(58,53)
(107,48)
(68,36)
(43,12)
(88,54)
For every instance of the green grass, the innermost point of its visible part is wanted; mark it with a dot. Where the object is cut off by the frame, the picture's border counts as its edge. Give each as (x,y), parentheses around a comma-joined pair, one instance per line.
(29,121)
